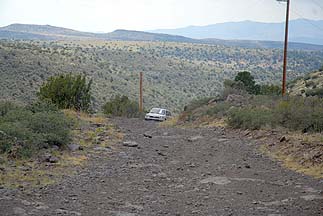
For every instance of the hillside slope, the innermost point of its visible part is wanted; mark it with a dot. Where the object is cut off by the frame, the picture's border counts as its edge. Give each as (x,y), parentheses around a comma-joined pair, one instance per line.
(305,84)
(46,30)
(175,73)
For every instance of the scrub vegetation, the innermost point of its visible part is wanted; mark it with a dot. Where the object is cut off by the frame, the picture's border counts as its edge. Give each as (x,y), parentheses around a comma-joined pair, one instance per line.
(247,105)
(174,73)
(24,130)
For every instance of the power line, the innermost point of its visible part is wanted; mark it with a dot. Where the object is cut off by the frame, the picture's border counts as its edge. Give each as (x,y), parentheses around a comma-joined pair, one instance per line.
(305,19)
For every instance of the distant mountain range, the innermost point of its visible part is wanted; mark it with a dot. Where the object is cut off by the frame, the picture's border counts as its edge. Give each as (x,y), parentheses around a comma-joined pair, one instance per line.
(301,30)
(47,32)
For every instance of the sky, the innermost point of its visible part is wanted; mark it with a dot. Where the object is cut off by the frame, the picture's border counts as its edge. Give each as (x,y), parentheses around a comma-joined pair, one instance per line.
(109,15)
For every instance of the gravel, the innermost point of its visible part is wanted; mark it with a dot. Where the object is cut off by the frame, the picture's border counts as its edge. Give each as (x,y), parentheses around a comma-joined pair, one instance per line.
(174,172)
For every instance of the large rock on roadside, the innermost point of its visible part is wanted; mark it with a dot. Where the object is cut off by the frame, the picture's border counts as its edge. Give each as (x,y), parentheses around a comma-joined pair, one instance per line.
(212,101)
(148,135)
(74,147)
(53,159)
(194,138)
(49,158)
(130,144)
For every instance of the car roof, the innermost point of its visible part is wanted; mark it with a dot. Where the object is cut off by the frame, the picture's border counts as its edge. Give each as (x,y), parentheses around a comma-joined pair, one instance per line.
(158,108)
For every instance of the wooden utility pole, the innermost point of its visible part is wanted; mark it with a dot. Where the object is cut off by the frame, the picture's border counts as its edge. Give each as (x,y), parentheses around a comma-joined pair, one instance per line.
(140,93)
(285,49)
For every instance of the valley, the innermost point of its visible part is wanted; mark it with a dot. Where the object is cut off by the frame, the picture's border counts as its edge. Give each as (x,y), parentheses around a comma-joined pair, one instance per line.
(174,73)
(130,108)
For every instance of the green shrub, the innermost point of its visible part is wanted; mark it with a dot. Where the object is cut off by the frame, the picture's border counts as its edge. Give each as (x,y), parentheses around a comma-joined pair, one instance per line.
(250,118)
(24,130)
(296,113)
(299,113)
(219,110)
(270,90)
(17,115)
(67,92)
(6,142)
(245,82)
(315,92)
(121,106)
(267,101)
(18,138)
(197,103)
(6,106)
(248,81)
(42,106)
(25,151)
(188,115)
(53,127)
(233,87)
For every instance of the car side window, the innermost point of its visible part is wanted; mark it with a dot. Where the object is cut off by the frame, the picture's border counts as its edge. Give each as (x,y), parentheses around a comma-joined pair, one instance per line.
(168,113)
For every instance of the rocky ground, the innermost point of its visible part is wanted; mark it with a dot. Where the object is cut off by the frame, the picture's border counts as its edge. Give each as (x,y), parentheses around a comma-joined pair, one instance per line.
(173,171)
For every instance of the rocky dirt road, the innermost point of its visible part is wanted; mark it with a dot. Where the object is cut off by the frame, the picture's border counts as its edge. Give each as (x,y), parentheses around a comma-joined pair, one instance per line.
(172,171)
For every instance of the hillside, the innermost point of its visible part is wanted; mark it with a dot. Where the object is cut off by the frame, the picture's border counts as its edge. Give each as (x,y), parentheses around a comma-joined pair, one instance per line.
(301,31)
(47,32)
(175,73)
(306,84)
(126,35)
(263,44)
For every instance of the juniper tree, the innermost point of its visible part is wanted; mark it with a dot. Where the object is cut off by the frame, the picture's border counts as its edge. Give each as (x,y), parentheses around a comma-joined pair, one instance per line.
(67,91)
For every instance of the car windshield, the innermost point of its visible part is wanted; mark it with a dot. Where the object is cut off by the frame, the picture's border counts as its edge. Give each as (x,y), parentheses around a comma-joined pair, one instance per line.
(156,111)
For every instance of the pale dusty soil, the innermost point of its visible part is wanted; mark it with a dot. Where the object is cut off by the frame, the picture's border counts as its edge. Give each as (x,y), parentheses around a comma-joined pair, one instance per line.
(176,172)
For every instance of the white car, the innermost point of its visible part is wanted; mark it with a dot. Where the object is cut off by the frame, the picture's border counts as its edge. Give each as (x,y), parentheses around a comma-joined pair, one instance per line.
(158,114)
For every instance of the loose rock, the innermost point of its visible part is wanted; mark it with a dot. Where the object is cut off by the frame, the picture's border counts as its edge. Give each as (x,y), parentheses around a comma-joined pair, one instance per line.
(162,154)
(55,147)
(73,147)
(195,138)
(148,135)
(247,166)
(130,144)
(19,211)
(50,158)
(283,139)
(101,148)
(53,159)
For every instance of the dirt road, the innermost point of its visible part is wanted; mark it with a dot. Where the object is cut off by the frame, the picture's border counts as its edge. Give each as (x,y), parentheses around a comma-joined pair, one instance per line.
(172,171)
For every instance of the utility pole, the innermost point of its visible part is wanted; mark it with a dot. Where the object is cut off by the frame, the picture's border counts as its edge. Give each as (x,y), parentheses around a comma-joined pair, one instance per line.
(140,93)
(285,47)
